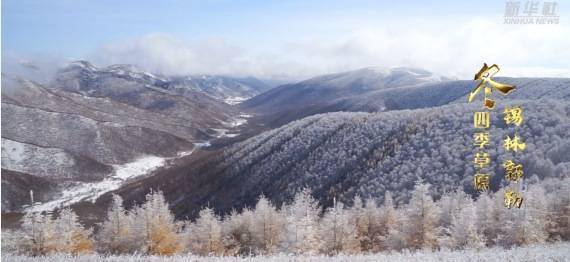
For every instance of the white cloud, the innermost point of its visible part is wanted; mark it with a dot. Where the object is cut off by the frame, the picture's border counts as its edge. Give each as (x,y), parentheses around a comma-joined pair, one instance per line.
(36,67)
(451,49)
(166,54)
(455,50)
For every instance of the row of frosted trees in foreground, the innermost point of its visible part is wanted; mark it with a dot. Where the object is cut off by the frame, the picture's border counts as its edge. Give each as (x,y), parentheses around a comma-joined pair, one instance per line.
(299,227)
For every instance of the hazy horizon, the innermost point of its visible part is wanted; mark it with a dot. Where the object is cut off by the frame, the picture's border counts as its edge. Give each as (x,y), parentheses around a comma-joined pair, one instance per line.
(291,40)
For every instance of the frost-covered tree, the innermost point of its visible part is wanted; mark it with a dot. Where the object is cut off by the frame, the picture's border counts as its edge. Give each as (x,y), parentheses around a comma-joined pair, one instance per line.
(116,233)
(421,215)
(535,216)
(155,229)
(511,222)
(70,235)
(393,226)
(238,233)
(458,222)
(301,233)
(431,143)
(37,235)
(205,235)
(487,217)
(364,227)
(338,231)
(268,226)
(367,219)
(558,226)
(526,225)
(464,233)
(446,205)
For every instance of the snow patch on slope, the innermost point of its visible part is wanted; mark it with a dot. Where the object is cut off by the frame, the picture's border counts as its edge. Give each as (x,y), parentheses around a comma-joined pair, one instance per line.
(203,144)
(234,100)
(32,159)
(92,191)
(238,121)
(241,120)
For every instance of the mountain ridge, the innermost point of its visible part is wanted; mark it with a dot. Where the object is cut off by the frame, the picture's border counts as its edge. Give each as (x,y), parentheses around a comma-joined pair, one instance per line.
(89,123)
(228,89)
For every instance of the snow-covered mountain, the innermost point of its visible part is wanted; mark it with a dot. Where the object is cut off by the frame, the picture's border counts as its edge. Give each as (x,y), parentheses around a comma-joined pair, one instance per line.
(323,89)
(375,90)
(117,120)
(437,94)
(90,80)
(91,125)
(228,89)
(325,93)
(344,154)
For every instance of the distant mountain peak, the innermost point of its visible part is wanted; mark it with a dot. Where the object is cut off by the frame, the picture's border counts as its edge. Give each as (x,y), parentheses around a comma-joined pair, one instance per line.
(122,70)
(130,70)
(230,90)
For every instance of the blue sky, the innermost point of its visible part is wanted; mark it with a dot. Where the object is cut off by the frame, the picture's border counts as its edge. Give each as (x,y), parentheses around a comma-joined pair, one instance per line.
(74,27)
(277,38)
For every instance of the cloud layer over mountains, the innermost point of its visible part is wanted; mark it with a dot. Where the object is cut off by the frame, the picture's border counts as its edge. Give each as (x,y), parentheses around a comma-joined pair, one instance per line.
(529,51)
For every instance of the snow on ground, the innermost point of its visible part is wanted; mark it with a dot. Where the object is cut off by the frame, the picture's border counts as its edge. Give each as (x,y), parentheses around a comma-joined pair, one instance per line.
(142,166)
(241,120)
(554,252)
(203,144)
(92,191)
(234,100)
(222,132)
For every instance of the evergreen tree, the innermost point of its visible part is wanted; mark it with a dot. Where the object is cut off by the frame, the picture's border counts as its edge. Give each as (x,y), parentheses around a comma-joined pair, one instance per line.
(464,233)
(155,227)
(535,218)
(116,235)
(388,223)
(37,235)
(206,234)
(367,219)
(510,222)
(70,235)
(558,225)
(238,232)
(421,217)
(267,226)
(302,215)
(487,217)
(338,232)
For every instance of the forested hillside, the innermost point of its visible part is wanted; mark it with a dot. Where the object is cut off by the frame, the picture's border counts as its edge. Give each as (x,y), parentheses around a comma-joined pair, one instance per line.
(347,154)
(380,90)
(344,154)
